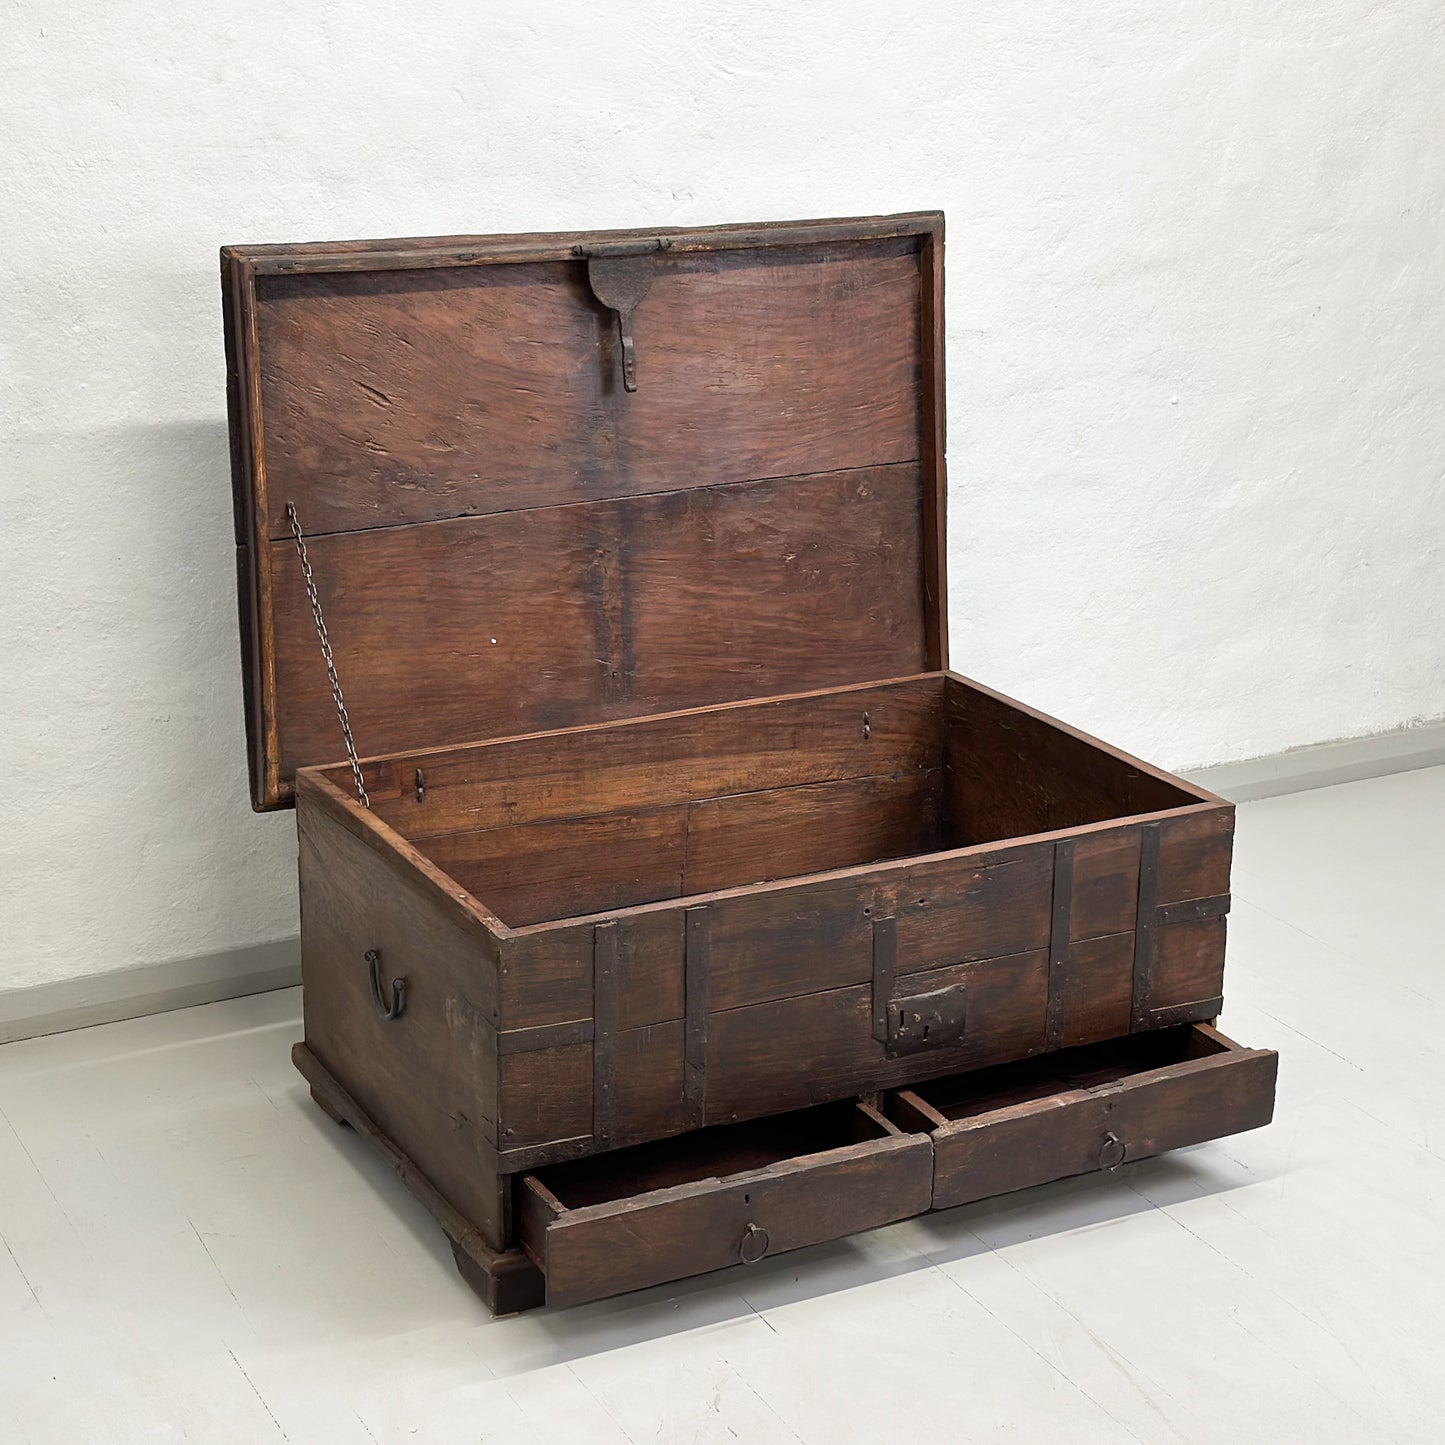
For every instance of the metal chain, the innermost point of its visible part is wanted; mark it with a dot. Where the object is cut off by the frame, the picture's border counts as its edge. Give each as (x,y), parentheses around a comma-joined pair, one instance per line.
(326,653)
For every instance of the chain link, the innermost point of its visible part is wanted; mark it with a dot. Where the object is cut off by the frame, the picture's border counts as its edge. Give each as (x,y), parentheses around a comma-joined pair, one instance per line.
(326,653)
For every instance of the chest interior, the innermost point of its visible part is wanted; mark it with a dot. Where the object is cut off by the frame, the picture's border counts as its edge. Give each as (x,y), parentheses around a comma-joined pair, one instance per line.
(553,826)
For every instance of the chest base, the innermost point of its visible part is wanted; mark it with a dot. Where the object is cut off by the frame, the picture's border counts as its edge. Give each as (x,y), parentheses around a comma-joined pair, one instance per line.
(732,1196)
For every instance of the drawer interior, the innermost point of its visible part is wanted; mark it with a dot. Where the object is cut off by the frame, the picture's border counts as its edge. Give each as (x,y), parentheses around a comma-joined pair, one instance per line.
(561,825)
(722,1196)
(714,1153)
(985,1091)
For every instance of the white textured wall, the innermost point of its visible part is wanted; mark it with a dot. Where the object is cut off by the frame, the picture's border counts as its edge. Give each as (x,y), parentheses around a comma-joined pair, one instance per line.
(1196,340)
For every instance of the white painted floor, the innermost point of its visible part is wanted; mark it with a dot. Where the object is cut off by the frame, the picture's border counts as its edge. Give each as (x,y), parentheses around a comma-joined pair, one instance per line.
(192,1252)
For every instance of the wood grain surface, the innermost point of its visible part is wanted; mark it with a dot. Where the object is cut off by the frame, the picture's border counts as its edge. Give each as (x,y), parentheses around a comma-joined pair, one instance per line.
(466,398)
(1211,1087)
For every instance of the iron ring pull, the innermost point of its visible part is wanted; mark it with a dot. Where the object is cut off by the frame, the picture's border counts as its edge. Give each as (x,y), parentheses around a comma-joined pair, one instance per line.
(1111,1152)
(393,1009)
(753,1245)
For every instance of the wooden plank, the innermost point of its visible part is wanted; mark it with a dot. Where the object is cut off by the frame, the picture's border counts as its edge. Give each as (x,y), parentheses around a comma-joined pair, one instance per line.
(951,914)
(637,763)
(787,832)
(650,1099)
(608,1249)
(1100,988)
(325,799)
(551,870)
(819,936)
(935,466)
(545,1096)
(600,611)
(1105,883)
(428,1078)
(804,1050)
(402,397)
(1186,963)
(1013,772)
(428,251)
(536,1209)
(1195,854)
(1062,1134)
(578,865)
(546,977)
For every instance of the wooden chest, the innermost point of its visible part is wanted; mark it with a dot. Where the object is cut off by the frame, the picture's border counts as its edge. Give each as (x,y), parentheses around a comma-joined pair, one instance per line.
(683,908)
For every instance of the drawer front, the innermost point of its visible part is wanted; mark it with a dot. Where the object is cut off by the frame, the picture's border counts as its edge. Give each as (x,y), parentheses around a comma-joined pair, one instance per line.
(632,1242)
(1077,1131)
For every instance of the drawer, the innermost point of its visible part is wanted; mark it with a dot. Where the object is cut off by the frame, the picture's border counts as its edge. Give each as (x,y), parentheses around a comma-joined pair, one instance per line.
(1084,1109)
(721,1196)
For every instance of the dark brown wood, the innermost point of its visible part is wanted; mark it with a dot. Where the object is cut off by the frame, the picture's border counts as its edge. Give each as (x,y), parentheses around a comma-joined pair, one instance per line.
(618,1223)
(410,385)
(668,601)
(423,252)
(789,832)
(935,539)
(691,756)
(358,899)
(1158,1099)
(791,967)
(1014,772)
(675,824)
(539,871)
(394,397)
(820,1046)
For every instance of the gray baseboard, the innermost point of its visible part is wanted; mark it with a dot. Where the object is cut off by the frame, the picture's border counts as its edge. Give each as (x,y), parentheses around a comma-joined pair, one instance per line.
(127,993)
(1321,765)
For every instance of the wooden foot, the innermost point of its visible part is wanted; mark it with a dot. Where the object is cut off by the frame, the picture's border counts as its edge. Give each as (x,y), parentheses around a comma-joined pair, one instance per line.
(327,1108)
(507,1285)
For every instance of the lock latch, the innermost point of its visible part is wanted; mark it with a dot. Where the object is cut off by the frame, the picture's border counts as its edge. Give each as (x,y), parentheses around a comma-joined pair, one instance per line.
(620,274)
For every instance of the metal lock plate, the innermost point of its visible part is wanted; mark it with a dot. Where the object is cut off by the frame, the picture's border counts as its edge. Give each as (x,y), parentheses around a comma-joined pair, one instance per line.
(926,1020)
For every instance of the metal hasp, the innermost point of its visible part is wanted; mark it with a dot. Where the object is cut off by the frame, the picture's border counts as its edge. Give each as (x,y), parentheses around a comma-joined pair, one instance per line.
(620,275)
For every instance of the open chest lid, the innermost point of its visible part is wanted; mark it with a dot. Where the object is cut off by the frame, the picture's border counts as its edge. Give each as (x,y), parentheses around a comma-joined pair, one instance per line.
(551,480)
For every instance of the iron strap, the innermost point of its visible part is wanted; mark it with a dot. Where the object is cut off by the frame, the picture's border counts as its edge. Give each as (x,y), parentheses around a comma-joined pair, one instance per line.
(330,661)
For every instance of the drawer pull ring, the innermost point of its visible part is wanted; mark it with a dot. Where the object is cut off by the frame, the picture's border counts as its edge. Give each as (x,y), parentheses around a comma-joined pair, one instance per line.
(1111,1152)
(393,1009)
(754,1244)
